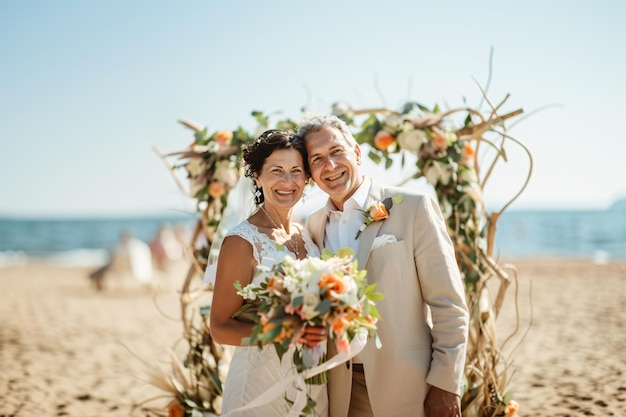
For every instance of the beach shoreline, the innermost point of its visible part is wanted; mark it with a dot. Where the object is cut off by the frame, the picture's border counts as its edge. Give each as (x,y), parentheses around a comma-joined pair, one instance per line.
(65,349)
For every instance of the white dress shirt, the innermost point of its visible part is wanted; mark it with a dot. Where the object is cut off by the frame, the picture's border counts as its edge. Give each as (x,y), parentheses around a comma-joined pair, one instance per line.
(342,226)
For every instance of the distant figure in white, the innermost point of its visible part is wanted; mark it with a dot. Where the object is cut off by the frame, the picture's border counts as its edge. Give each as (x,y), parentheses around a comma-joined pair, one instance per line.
(131,258)
(165,247)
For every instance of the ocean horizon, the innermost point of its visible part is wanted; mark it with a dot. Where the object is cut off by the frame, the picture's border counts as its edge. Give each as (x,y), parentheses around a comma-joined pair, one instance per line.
(599,235)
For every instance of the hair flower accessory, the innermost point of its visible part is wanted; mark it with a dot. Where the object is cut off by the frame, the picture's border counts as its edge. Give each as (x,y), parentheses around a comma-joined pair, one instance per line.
(378,212)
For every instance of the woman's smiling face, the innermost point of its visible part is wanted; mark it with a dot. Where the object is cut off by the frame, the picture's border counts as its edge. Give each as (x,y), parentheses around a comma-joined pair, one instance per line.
(282,178)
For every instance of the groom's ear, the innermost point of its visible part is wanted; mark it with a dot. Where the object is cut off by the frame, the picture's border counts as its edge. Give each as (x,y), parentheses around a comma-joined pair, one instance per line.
(357,152)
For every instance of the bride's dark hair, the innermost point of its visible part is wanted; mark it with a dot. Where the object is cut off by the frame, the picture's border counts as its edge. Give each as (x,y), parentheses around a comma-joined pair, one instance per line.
(255,154)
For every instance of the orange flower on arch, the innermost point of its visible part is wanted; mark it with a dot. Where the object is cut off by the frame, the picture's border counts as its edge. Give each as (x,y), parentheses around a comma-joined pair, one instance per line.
(440,142)
(383,140)
(216,189)
(467,155)
(223,137)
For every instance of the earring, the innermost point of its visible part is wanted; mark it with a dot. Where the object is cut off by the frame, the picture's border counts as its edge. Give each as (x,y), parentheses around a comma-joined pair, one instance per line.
(258,195)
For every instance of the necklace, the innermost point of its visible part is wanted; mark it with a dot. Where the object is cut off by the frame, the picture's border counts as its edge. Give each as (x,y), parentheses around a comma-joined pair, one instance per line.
(294,248)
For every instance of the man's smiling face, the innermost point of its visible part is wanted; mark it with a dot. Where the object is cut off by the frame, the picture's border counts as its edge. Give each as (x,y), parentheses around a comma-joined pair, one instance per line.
(334,164)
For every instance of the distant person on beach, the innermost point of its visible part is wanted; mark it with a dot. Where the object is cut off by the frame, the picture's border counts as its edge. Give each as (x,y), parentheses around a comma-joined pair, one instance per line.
(131,257)
(165,247)
(417,370)
(275,162)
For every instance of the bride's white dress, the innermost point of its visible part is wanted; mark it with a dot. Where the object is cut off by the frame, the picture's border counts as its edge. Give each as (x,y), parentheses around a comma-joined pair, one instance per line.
(253,371)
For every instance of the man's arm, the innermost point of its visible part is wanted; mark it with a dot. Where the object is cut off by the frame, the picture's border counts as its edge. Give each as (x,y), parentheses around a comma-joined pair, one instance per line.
(444,292)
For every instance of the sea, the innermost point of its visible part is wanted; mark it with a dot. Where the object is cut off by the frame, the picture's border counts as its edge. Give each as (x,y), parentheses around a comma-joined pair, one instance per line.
(599,235)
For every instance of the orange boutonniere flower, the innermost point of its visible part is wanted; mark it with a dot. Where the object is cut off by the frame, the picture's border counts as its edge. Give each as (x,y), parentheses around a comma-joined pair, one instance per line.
(377,212)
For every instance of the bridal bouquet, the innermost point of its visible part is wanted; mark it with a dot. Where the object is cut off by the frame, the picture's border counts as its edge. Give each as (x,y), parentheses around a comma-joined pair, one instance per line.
(328,291)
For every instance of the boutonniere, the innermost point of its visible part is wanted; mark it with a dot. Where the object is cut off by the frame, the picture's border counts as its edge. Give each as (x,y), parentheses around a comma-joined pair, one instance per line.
(378,212)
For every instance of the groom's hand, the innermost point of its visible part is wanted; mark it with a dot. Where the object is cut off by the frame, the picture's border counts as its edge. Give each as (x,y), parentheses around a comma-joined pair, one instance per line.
(440,403)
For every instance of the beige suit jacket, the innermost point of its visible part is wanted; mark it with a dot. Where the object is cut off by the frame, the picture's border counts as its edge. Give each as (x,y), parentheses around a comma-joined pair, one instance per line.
(424,318)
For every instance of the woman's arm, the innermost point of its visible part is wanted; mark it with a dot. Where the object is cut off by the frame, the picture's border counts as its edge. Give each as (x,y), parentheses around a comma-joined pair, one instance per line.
(236,263)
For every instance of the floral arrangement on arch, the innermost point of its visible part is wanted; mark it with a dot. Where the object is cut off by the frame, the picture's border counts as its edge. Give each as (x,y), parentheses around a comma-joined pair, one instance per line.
(447,144)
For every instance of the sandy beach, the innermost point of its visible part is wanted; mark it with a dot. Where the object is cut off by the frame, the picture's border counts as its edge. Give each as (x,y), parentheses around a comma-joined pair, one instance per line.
(65,349)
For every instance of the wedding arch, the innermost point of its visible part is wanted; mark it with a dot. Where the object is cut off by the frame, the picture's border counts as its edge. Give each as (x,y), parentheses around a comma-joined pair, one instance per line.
(448,145)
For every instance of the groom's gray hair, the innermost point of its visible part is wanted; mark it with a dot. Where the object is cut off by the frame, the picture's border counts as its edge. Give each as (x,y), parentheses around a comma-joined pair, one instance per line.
(316,123)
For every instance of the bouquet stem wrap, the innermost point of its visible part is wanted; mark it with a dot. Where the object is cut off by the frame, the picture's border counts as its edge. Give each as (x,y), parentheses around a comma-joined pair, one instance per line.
(356,346)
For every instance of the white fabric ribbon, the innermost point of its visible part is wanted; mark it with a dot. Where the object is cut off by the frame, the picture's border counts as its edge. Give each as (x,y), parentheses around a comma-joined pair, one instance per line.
(356,346)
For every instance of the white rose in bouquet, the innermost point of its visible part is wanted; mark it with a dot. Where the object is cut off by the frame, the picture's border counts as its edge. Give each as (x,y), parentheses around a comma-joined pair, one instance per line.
(310,301)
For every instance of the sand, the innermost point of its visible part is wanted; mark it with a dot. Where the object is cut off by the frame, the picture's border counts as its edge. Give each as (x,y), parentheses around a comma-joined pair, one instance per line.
(64,348)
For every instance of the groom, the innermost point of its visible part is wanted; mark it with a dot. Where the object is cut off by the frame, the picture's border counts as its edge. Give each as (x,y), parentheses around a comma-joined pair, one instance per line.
(424,320)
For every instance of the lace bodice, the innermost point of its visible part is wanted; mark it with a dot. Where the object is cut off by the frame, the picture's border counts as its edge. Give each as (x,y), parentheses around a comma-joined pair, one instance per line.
(266,251)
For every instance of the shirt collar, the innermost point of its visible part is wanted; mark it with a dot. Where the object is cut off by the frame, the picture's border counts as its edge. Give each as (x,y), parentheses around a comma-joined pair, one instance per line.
(358,199)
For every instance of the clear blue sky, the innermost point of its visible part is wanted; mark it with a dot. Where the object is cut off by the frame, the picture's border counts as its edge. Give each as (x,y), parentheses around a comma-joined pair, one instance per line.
(87,88)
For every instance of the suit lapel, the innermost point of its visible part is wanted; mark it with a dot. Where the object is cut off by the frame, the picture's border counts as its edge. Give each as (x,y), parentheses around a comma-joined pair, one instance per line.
(318,227)
(366,239)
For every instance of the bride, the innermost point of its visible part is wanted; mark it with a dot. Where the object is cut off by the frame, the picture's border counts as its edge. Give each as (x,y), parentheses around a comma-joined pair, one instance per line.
(275,163)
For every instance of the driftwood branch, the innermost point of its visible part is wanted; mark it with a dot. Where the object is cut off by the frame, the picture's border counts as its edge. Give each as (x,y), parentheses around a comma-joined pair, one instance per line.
(171,168)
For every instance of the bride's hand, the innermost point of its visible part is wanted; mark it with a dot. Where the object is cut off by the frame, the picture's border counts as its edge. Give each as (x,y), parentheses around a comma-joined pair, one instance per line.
(313,335)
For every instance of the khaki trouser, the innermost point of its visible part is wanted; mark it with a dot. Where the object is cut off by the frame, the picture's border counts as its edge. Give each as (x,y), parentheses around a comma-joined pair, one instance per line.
(359,400)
